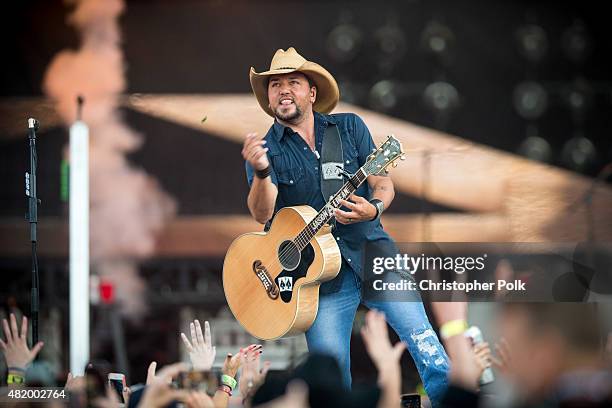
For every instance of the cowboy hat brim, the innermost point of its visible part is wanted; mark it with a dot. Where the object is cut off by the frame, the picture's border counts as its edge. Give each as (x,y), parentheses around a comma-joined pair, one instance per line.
(328,93)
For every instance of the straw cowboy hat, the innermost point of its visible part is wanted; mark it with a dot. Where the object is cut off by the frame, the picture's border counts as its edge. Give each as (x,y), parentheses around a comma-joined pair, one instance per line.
(288,61)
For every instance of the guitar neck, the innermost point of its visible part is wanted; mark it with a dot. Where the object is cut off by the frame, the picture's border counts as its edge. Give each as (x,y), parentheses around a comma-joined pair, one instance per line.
(327,212)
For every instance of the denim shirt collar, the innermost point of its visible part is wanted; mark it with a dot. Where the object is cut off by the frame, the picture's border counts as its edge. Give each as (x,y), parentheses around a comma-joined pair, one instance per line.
(320,120)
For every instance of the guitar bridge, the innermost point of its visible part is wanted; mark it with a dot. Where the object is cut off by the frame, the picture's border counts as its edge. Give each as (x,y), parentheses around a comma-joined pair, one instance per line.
(266,280)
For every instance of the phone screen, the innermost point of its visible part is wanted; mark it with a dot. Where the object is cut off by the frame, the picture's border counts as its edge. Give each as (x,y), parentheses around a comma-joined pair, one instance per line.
(117,382)
(411,401)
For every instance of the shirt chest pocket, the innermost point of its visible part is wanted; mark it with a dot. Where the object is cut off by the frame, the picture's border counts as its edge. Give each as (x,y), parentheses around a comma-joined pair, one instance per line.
(351,159)
(291,186)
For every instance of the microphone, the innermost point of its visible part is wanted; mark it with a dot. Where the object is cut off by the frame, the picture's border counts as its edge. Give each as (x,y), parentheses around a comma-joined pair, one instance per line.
(32,217)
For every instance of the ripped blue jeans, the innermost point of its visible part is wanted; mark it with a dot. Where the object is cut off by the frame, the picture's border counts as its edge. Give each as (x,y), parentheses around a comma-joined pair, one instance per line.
(331,333)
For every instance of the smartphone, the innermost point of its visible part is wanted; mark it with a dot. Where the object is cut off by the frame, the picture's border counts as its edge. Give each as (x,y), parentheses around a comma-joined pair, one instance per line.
(411,401)
(205,381)
(117,383)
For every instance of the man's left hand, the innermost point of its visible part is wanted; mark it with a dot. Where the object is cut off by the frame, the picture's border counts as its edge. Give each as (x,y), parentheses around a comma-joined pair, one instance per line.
(360,210)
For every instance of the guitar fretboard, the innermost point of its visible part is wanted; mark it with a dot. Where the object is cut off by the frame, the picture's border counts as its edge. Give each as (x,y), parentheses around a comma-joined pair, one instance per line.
(327,212)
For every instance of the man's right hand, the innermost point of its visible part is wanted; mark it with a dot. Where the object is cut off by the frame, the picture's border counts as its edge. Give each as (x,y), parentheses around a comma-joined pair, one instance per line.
(254,152)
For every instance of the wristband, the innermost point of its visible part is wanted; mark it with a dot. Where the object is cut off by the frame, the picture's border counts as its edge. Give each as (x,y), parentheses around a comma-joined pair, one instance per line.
(229,381)
(380,207)
(262,174)
(17,369)
(15,379)
(453,328)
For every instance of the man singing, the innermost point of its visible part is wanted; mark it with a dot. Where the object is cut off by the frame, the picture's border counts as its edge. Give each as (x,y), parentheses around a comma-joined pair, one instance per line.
(283,169)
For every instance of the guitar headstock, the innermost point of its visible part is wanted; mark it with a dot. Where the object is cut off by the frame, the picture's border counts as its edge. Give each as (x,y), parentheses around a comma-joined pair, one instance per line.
(387,154)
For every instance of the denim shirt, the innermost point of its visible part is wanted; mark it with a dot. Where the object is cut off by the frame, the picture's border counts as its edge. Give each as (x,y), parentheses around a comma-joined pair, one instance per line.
(296,172)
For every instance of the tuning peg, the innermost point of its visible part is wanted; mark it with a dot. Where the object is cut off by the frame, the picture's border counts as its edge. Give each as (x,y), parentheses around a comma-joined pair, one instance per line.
(386,171)
(394,164)
(402,157)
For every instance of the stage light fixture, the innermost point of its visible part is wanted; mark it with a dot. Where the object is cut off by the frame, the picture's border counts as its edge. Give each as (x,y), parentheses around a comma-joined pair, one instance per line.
(391,40)
(578,97)
(530,100)
(532,42)
(536,148)
(344,42)
(576,42)
(384,96)
(441,97)
(579,154)
(437,39)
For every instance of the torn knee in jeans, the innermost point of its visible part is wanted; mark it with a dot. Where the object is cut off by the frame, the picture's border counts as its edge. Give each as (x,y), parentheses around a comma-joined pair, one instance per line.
(429,347)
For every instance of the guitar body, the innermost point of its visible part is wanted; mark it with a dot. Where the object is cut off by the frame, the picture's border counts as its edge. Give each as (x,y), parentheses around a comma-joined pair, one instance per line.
(255,260)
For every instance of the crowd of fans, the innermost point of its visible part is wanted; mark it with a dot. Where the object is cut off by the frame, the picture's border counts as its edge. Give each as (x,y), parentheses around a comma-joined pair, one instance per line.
(550,355)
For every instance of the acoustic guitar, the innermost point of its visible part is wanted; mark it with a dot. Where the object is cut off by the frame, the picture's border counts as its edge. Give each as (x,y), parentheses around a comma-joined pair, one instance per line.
(271,279)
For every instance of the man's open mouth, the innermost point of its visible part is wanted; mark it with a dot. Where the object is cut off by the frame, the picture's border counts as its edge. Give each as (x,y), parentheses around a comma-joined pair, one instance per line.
(286,102)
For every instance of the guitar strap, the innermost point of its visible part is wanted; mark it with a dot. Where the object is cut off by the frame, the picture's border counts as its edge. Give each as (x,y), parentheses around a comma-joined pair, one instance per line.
(331,161)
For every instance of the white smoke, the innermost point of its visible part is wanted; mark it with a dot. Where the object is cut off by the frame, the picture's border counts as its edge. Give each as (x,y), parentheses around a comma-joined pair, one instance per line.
(128,207)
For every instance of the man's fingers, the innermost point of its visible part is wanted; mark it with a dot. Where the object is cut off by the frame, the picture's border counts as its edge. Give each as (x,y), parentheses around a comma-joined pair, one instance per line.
(256,150)
(356,198)
(14,328)
(344,217)
(256,156)
(250,140)
(24,328)
(207,335)
(7,331)
(253,144)
(496,362)
(188,345)
(170,371)
(151,372)
(36,349)
(201,343)
(194,338)
(347,204)
(399,348)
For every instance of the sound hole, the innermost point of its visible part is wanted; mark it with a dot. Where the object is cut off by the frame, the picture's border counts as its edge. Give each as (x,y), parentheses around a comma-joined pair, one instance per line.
(289,255)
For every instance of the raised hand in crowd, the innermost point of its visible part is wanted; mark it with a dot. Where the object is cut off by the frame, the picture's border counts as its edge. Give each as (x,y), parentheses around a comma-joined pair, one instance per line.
(252,374)
(385,356)
(482,352)
(228,380)
(159,393)
(502,362)
(201,351)
(15,349)
(452,319)
(153,376)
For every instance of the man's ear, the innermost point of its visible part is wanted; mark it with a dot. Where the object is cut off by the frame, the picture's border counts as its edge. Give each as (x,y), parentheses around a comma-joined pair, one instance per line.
(313,94)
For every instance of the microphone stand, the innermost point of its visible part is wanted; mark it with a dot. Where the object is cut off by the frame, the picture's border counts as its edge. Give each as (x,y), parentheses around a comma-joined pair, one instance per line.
(32,217)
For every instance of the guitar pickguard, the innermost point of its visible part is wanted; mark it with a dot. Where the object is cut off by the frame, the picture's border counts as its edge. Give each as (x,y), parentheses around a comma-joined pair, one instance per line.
(285,281)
